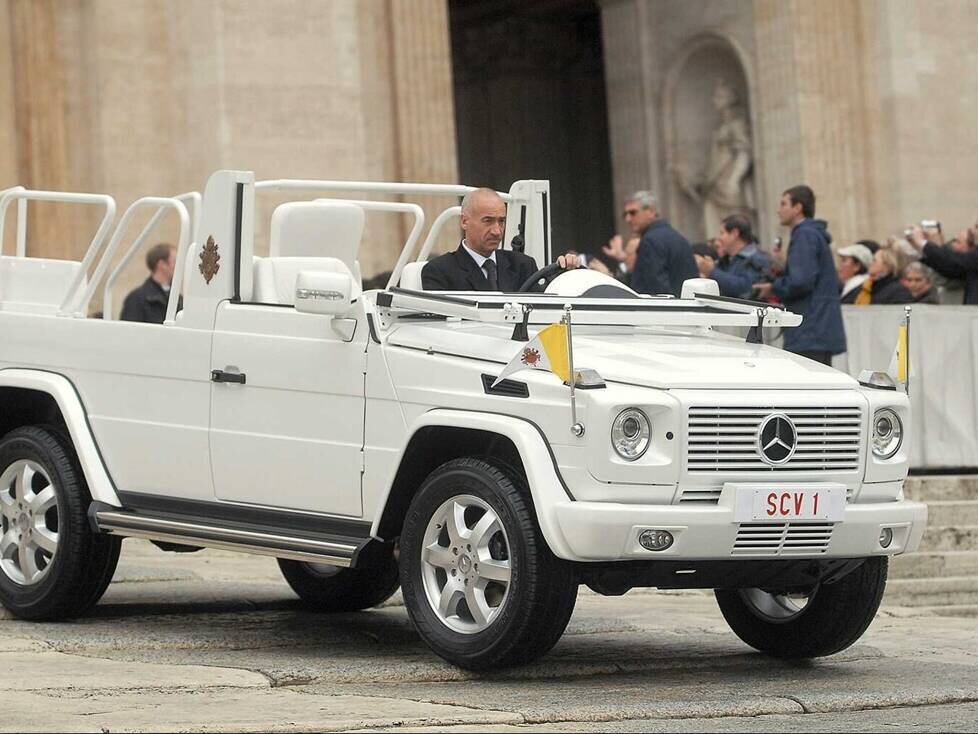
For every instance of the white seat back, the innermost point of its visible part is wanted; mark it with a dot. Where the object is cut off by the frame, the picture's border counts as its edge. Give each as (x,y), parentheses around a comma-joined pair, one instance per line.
(411,276)
(313,236)
(318,229)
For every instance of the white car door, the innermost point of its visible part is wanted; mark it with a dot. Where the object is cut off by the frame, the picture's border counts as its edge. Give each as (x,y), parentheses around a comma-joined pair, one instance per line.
(287,406)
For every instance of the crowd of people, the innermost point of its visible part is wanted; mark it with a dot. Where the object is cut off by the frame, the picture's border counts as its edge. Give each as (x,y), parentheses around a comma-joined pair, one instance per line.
(917,267)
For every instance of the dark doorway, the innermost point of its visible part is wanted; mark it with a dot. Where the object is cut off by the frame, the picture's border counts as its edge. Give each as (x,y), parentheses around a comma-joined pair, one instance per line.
(530,103)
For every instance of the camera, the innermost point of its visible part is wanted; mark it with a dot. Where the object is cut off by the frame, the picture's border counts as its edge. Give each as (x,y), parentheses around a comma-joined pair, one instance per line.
(930,224)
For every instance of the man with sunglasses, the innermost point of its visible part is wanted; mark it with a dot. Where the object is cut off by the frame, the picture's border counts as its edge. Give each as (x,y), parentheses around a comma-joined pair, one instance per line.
(664,258)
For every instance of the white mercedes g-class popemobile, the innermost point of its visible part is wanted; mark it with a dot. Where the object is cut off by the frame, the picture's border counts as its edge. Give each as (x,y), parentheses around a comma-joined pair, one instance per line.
(362,438)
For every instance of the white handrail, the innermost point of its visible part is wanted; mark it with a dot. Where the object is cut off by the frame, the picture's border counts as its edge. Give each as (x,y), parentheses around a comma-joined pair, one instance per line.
(429,243)
(22,195)
(107,299)
(110,249)
(379,187)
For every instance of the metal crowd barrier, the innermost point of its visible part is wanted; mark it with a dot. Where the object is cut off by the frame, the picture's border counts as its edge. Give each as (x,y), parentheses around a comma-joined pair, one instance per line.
(943,375)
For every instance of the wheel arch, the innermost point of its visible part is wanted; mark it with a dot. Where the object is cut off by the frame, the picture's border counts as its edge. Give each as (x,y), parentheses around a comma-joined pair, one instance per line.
(35,397)
(442,435)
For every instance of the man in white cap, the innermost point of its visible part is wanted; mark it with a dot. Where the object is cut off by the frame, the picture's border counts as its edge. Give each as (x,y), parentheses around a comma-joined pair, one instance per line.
(854,262)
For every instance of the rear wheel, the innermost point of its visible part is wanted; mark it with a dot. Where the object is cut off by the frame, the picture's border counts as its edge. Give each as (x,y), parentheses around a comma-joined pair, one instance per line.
(822,621)
(479,581)
(52,564)
(333,589)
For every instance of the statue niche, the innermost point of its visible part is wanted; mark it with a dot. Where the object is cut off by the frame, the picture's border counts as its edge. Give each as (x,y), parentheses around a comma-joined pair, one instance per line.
(726,184)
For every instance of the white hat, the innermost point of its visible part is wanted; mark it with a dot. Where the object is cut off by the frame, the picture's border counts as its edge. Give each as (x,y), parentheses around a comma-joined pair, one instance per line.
(860,253)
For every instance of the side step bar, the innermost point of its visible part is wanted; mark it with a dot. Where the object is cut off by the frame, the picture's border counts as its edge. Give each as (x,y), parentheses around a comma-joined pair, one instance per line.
(335,551)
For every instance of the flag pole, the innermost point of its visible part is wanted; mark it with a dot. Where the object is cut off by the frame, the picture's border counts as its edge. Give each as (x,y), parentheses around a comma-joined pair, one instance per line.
(576,428)
(906,357)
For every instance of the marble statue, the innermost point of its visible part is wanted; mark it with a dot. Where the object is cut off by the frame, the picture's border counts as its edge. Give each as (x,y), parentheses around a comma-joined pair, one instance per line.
(726,186)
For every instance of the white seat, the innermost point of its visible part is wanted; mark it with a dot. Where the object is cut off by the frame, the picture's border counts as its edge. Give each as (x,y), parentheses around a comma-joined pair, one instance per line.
(312,236)
(33,284)
(411,276)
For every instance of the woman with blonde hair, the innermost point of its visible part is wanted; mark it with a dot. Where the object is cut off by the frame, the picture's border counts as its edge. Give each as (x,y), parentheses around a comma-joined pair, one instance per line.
(882,286)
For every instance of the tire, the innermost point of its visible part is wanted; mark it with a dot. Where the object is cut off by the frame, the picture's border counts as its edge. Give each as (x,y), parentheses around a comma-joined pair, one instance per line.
(52,564)
(334,589)
(834,617)
(523,595)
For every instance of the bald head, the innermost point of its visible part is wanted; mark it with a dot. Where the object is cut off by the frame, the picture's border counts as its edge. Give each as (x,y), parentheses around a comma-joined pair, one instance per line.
(483,220)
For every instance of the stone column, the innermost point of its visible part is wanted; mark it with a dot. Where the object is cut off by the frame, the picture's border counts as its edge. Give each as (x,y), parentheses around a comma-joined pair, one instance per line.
(423,106)
(9,170)
(41,125)
(631,104)
(813,108)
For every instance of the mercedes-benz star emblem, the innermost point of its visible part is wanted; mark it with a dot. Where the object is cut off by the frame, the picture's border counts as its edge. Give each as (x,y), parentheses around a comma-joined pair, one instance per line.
(777,439)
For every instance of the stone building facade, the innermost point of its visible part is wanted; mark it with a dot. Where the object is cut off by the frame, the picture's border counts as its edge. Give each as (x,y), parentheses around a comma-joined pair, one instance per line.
(869,101)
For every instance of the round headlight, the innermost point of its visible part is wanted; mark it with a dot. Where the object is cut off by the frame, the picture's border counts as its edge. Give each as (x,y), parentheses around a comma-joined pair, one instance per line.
(631,434)
(887,433)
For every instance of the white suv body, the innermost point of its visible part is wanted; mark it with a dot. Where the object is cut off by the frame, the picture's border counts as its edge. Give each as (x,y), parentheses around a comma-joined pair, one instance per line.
(357,436)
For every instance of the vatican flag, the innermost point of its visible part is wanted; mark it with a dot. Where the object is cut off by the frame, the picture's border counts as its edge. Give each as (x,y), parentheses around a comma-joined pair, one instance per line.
(899,368)
(546,351)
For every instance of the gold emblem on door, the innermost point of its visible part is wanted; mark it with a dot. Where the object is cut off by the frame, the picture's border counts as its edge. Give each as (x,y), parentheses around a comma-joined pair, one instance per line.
(209,259)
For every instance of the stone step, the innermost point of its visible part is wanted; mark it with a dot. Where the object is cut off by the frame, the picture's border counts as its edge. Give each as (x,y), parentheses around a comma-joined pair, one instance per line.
(947,513)
(942,488)
(949,538)
(922,565)
(958,590)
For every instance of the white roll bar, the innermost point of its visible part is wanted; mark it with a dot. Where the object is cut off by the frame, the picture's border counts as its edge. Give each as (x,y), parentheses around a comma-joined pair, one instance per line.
(194,198)
(377,187)
(22,196)
(110,249)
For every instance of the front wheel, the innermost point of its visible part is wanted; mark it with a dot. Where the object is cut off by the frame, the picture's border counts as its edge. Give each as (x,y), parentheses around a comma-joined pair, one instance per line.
(52,564)
(479,581)
(823,621)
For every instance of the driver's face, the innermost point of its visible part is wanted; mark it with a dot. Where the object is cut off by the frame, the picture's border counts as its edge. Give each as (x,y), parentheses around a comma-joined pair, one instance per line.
(484,223)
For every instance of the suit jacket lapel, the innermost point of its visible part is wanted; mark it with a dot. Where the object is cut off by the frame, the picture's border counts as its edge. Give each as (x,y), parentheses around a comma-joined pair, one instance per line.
(474,276)
(506,273)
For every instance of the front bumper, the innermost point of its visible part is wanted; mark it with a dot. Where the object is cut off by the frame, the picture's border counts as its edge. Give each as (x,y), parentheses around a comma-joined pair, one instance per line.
(601,531)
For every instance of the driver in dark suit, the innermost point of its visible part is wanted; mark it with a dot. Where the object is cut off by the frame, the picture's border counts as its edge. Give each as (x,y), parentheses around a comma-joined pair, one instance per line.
(478,264)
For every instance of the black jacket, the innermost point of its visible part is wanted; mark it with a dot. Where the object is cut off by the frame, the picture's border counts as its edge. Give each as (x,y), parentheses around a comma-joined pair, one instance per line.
(664,261)
(147,303)
(952,264)
(890,290)
(457,271)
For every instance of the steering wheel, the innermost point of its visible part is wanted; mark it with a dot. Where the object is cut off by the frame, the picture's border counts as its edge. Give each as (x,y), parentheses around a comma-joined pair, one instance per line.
(546,274)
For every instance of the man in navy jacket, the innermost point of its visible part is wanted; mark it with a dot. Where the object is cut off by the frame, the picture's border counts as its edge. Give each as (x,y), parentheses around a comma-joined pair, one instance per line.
(665,258)
(810,284)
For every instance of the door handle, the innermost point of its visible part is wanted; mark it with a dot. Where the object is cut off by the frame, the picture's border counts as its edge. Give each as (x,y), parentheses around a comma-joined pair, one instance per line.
(222,376)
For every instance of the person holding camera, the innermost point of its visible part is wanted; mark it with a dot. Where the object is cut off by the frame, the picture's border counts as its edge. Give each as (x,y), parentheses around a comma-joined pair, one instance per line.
(957,261)
(741,263)
(809,285)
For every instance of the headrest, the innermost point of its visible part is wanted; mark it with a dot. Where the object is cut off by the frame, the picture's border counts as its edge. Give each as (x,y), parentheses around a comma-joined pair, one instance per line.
(317,229)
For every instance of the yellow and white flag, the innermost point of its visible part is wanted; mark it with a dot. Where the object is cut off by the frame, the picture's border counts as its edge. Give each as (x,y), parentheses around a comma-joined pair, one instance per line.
(546,351)
(899,368)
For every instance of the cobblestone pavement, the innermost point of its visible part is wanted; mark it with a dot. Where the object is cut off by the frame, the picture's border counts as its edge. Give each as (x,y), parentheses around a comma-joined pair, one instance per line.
(216,641)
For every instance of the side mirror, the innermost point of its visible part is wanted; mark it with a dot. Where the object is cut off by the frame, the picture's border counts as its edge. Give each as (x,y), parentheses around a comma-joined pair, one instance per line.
(330,294)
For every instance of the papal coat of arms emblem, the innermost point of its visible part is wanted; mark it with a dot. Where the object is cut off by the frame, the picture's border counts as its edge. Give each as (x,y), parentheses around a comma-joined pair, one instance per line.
(209,259)
(530,357)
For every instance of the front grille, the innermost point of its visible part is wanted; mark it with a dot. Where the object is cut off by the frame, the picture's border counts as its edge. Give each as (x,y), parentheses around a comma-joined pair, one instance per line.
(724,439)
(783,539)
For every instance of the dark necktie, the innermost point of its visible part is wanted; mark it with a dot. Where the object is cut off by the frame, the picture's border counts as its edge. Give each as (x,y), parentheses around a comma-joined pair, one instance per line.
(490,267)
